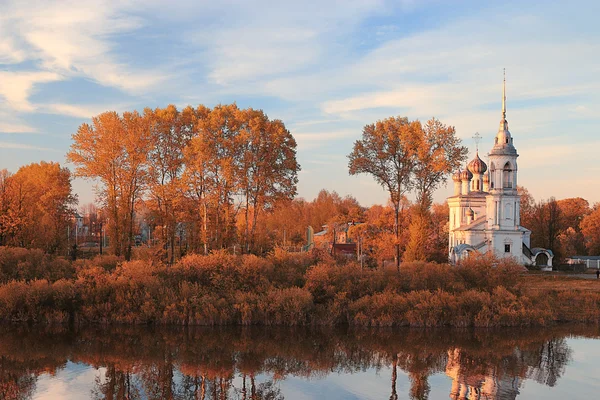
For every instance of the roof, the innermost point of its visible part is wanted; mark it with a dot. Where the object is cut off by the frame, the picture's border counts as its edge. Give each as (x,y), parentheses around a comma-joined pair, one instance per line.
(478,221)
(344,248)
(470,195)
(591,258)
(537,250)
(462,247)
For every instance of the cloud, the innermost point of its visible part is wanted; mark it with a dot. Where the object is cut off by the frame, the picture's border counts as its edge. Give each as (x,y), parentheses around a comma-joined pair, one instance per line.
(16,127)
(16,87)
(311,139)
(22,146)
(9,123)
(68,39)
(79,111)
(9,52)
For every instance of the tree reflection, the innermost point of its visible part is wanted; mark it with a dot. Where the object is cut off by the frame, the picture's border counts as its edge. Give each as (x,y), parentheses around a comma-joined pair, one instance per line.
(249,364)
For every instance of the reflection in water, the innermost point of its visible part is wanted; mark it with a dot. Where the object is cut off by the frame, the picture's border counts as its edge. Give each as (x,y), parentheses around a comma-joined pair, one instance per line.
(248,364)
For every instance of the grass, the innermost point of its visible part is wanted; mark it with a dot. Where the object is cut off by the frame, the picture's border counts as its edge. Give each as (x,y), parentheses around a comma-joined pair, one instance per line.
(536,283)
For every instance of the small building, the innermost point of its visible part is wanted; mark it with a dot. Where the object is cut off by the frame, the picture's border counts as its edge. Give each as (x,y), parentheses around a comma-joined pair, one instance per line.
(337,242)
(588,261)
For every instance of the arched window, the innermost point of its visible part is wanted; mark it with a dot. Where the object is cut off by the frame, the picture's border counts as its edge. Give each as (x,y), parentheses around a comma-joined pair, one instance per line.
(492,175)
(507,176)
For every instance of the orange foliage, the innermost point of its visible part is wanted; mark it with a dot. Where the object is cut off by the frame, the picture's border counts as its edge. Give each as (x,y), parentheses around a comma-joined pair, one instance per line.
(284,289)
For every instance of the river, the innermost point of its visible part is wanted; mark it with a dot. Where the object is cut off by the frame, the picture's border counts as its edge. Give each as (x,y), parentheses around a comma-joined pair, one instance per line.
(128,362)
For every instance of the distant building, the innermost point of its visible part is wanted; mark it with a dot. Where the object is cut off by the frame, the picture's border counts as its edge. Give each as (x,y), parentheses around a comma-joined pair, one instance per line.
(485,207)
(338,242)
(588,261)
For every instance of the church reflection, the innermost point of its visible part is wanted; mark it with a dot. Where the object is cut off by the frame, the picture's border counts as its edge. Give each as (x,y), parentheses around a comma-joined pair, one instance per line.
(251,364)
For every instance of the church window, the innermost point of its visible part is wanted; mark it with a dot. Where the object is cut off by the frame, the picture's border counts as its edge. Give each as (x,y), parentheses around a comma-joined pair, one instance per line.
(508,210)
(507,173)
(507,248)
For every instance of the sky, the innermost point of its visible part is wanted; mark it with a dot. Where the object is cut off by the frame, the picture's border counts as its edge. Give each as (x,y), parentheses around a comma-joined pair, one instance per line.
(325,68)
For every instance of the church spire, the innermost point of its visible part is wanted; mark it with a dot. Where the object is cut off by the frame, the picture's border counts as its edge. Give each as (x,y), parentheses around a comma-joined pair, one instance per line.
(504,95)
(503,138)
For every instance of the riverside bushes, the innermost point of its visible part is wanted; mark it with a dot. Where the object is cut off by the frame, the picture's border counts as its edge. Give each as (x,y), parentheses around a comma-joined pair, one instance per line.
(280,289)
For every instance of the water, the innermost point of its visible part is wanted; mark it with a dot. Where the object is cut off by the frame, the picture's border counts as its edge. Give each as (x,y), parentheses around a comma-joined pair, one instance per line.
(273,363)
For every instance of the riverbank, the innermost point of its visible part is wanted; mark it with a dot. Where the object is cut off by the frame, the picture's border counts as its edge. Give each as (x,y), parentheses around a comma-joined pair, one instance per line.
(286,289)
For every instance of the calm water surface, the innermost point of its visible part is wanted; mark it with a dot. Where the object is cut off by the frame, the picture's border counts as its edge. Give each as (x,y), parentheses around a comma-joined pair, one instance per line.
(268,363)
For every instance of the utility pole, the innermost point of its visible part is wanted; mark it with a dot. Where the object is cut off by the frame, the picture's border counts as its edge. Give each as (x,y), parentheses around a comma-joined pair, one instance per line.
(101,237)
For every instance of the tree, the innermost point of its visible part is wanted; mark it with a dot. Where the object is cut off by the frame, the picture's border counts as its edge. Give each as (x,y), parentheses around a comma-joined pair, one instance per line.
(403,155)
(114,149)
(269,170)
(439,153)
(170,133)
(546,224)
(36,206)
(590,227)
(388,151)
(416,249)
(571,240)
(213,156)
(8,222)
(527,204)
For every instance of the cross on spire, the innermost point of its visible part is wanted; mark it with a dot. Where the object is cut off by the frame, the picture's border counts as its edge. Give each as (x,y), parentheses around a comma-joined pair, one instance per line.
(504,94)
(477,138)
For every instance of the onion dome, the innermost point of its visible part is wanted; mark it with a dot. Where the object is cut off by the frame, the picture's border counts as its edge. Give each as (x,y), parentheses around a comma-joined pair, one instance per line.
(456,176)
(466,175)
(477,166)
(486,178)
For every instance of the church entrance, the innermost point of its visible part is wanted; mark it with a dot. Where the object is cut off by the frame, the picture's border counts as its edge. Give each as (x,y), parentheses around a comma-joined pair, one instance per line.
(541,260)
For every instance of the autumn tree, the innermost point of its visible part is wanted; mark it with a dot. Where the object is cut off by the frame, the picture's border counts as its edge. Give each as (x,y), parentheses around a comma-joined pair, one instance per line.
(114,150)
(36,206)
(590,227)
(268,167)
(545,224)
(403,155)
(439,152)
(388,152)
(170,133)
(8,221)
(213,157)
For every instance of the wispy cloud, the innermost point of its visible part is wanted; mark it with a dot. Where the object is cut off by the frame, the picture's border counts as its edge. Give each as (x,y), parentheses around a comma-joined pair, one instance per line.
(21,146)
(79,111)
(310,139)
(16,87)
(68,39)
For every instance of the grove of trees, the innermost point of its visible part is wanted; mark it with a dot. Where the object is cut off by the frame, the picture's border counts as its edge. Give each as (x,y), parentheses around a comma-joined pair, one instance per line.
(196,166)
(568,226)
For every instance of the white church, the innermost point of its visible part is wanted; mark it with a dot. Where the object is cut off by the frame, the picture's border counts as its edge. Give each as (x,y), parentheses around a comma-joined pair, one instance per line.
(485,207)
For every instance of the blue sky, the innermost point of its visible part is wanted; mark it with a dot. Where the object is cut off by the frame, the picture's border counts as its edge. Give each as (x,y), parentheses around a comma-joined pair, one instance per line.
(326,68)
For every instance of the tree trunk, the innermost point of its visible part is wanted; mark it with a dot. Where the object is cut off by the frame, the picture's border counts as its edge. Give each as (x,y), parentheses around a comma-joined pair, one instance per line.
(397,233)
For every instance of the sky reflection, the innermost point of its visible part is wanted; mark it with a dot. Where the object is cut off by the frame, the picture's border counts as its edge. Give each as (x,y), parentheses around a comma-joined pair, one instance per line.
(262,363)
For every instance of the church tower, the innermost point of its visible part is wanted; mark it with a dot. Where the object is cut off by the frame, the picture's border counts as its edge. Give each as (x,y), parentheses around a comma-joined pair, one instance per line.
(502,202)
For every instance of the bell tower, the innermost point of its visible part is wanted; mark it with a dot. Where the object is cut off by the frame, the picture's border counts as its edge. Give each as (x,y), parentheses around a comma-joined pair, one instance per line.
(503,201)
